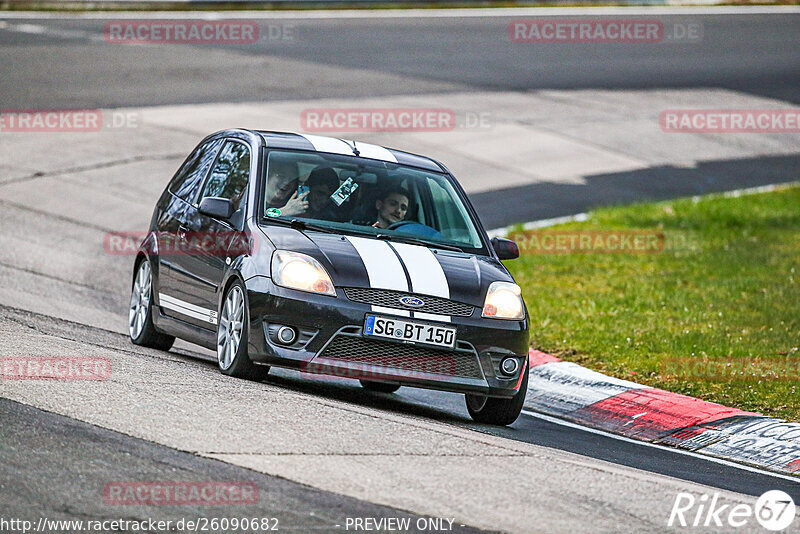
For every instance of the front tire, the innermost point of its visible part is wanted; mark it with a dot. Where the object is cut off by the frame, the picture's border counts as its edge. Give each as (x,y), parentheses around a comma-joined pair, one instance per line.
(380,387)
(232,332)
(494,411)
(140,314)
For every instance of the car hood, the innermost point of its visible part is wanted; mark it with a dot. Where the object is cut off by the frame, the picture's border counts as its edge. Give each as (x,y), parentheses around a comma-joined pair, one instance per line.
(364,262)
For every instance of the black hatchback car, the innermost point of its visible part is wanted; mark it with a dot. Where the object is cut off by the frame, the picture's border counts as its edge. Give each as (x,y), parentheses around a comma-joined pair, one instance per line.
(333,257)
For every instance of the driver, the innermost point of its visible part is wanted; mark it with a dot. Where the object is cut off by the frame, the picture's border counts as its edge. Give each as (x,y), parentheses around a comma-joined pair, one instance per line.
(392,207)
(280,188)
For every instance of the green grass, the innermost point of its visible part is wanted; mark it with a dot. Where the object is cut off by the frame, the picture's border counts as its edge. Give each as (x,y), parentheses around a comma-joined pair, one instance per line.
(726,286)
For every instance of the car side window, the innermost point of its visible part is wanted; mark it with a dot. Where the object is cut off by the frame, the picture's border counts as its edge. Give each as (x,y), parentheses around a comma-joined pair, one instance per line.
(188,179)
(231,172)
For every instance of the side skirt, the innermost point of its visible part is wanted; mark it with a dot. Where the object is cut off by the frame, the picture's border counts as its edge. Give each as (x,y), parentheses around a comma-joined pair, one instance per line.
(183,330)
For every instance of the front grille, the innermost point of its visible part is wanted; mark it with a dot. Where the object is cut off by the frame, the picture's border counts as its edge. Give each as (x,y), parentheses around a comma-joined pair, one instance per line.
(390,299)
(463,362)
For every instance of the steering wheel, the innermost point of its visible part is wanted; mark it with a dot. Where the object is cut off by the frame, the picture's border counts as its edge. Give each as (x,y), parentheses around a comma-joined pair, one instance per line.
(400,224)
(413,227)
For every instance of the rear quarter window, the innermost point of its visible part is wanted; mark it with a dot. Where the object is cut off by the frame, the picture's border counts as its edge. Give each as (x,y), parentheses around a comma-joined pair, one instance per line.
(189,177)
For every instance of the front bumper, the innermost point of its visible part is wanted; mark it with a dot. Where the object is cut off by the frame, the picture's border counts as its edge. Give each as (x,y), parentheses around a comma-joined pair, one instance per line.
(331,343)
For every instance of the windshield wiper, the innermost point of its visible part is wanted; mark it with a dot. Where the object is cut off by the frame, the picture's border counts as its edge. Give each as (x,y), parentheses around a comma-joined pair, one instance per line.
(415,241)
(299,224)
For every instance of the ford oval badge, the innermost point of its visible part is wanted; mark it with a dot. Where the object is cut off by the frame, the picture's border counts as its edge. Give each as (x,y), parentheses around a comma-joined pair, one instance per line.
(413,302)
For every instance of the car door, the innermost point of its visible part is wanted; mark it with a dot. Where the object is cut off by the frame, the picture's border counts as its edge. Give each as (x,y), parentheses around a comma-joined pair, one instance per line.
(176,207)
(199,270)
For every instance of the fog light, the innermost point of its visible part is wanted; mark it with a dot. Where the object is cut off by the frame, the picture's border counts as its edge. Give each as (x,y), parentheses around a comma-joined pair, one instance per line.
(509,366)
(286,335)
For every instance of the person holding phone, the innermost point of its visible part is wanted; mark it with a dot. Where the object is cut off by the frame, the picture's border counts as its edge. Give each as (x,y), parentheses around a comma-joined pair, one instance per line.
(282,191)
(322,182)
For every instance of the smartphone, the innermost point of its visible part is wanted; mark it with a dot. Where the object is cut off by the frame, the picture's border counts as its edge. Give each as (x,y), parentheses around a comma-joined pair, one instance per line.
(301,190)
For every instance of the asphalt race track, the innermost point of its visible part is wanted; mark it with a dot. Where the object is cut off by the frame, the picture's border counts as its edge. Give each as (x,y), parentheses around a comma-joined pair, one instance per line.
(305,57)
(572,127)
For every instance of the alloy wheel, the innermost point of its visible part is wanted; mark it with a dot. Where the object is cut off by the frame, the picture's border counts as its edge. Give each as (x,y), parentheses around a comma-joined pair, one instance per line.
(229,330)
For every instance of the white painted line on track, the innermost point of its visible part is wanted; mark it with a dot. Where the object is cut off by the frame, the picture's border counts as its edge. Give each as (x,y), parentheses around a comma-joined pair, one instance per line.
(580,217)
(415,13)
(38,29)
(748,191)
(693,454)
(541,223)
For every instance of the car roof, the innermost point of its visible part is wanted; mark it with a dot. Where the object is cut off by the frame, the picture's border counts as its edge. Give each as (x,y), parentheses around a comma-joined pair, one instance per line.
(335,145)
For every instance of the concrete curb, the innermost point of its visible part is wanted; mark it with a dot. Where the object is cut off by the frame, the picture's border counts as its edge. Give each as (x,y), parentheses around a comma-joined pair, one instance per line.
(568,391)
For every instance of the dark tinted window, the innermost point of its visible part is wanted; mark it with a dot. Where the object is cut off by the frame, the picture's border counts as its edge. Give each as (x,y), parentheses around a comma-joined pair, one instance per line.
(188,179)
(365,196)
(228,178)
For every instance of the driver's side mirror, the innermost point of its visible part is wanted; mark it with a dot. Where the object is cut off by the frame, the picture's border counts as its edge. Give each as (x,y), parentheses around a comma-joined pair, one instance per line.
(217,207)
(505,248)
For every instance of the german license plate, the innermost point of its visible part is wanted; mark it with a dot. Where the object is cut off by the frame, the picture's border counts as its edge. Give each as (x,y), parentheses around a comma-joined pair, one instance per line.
(410,331)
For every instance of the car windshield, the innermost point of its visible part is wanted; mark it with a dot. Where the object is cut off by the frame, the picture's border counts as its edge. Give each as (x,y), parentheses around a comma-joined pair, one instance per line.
(363,196)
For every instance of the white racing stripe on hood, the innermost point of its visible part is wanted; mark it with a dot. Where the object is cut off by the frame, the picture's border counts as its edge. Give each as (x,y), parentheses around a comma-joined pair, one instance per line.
(427,275)
(383,268)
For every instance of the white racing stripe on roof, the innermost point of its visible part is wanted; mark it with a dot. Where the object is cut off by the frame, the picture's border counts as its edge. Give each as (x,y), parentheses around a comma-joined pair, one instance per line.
(374,152)
(328,144)
(340,146)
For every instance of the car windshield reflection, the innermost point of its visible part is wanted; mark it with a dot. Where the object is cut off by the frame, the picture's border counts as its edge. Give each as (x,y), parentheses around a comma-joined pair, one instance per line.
(367,197)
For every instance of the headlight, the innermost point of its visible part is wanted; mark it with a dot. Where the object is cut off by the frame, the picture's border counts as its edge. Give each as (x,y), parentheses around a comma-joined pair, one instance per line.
(299,271)
(503,301)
